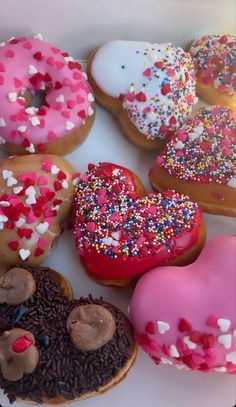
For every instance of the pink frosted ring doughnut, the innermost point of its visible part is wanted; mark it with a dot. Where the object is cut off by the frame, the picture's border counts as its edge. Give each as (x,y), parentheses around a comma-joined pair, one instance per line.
(32,66)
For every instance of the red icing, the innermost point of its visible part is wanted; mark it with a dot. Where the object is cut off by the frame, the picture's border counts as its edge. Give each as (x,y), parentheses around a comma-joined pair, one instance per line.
(128,248)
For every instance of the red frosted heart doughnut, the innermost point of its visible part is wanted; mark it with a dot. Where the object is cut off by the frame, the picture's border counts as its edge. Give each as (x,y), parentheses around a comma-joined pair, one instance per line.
(121,232)
(186,316)
(31,65)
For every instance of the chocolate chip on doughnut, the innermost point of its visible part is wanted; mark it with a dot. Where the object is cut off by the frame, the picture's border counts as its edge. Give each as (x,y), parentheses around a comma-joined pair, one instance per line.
(90,326)
(16,286)
(31,66)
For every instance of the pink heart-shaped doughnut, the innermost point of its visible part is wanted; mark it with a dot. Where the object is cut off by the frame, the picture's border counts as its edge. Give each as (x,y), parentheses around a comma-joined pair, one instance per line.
(121,232)
(187,316)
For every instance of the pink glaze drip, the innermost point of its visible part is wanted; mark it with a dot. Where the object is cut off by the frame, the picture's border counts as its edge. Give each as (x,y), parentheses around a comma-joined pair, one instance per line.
(197,302)
(34,65)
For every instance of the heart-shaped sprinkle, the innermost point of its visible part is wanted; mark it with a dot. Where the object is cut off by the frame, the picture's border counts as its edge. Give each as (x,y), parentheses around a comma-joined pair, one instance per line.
(2,122)
(162,327)
(231,357)
(6,174)
(69,125)
(189,343)
(55,169)
(34,121)
(12,96)
(174,351)
(32,70)
(223,324)
(11,181)
(225,340)
(42,228)
(24,254)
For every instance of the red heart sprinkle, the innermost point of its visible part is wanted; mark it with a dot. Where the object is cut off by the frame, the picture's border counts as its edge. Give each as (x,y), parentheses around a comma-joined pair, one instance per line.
(82,114)
(58,85)
(159,65)
(38,56)
(13,245)
(150,328)
(21,344)
(165,89)
(147,72)
(184,325)
(141,97)
(38,251)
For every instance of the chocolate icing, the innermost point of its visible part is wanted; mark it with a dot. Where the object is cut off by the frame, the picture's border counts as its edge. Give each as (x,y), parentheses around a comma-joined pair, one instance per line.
(63,370)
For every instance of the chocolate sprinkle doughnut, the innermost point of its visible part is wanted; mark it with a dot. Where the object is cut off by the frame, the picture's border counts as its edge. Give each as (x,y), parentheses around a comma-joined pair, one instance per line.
(63,371)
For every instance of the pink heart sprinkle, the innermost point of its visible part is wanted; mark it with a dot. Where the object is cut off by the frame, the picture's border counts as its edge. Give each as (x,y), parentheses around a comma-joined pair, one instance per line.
(42,242)
(51,135)
(46,165)
(91,227)
(42,180)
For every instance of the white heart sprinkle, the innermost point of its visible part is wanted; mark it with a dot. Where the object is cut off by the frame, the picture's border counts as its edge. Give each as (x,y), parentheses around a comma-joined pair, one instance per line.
(55,169)
(24,254)
(1,226)
(76,180)
(3,218)
(2,44)
(69,125)
(223,324)
(174,351)
(2,122)
(180,366)
(179,145)
(42,228)
(234,333)
(4,203)
(2,140)
(30,200)
(31,110)
(232,183)
(166,361)
(38,36)
(17,190)
(64,184)
(190,344)
(90,111)
(199,129)
(231,357)
(32,70)
(34,120)
(42,86)
(22,129)
(20,222)
(11,181)
(12,96)
(114,243)
(60,99)
(90,97)
(30,149)
(221,369)
(6,174)
(30,190)
(85,75)
(107,241)
(116,235)
(193,136)
(162,327)
(68,59)
(225,340)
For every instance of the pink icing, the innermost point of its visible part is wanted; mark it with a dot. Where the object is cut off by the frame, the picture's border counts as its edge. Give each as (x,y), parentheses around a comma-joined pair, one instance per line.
(197,302)
(32,64)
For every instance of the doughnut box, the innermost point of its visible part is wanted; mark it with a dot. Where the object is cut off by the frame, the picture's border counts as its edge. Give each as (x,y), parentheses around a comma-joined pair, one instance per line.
(80,29)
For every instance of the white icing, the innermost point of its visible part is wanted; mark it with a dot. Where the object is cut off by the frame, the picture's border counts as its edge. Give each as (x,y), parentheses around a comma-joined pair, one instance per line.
(118,68)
